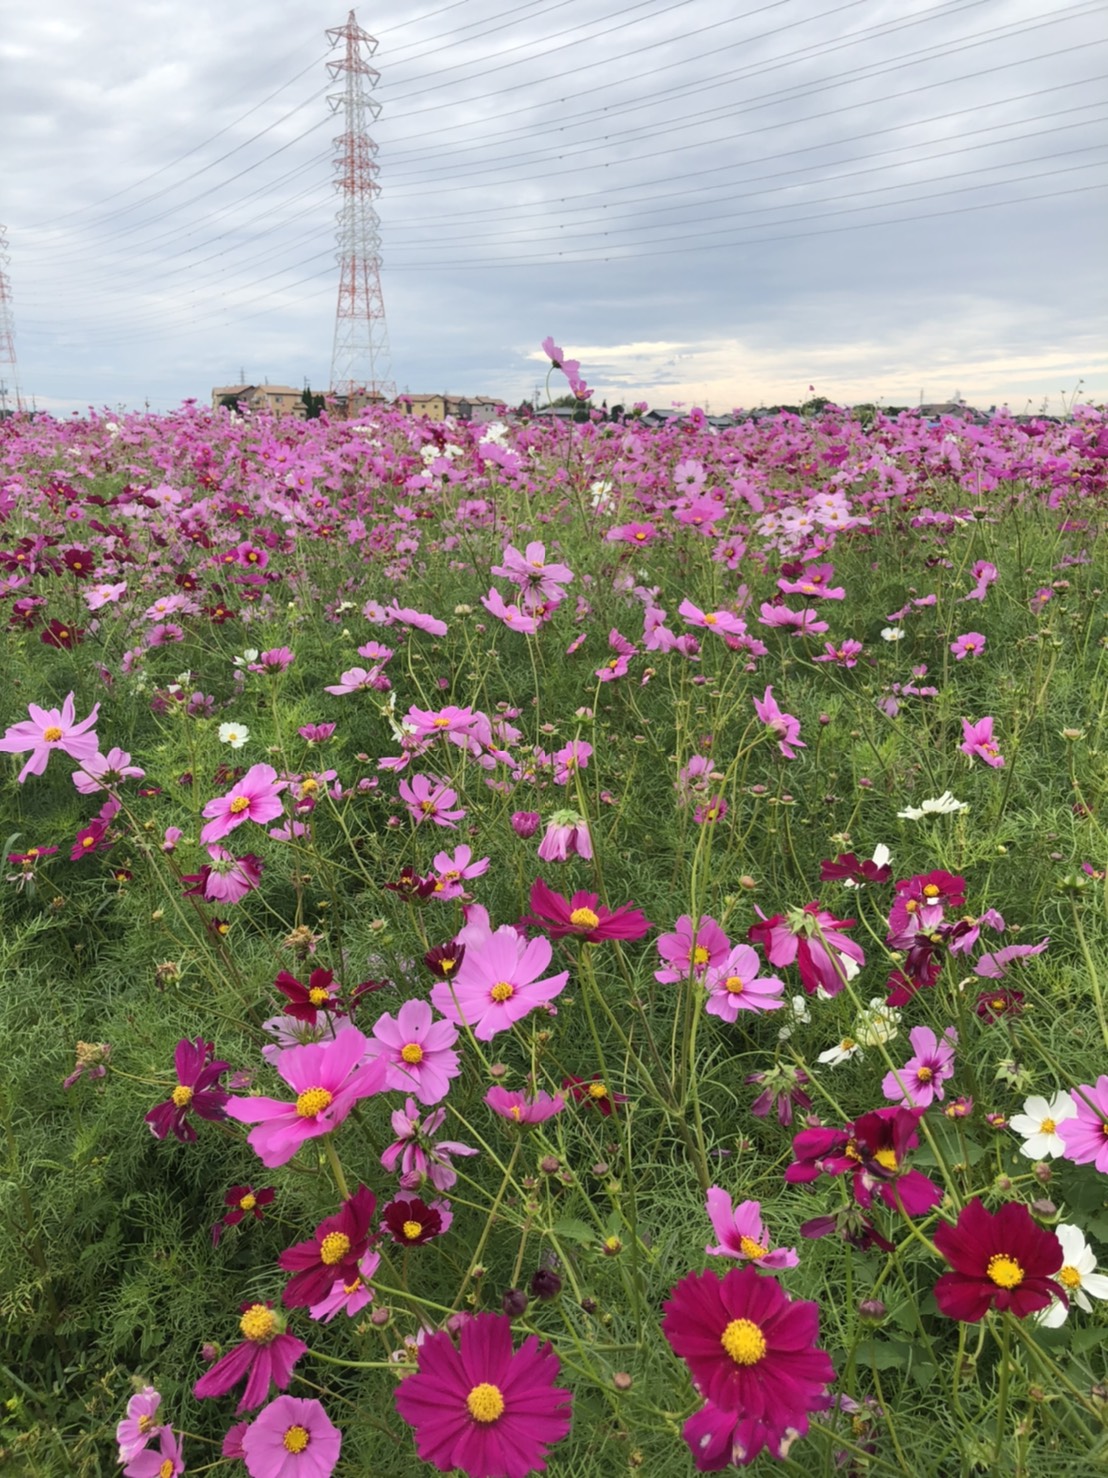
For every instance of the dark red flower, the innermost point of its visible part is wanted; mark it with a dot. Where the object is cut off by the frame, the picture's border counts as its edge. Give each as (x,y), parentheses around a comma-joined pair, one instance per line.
(79,562)
(872,1151)
(243,1200)
(999,1004)
(332,1254)
(60,634)
(846,867)
(91,838)
(306,1001)
(444,959)
(412,1222)
(583,915)
(410,885)
(595,1092)
(197,1092)
(1000,1261)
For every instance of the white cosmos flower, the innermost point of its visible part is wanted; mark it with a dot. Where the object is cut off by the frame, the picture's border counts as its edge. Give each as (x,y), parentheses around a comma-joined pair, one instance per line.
(235,735)
(942,805)
(1077,1275)
(893,633)
(1037,1125)
(797,1011)
(878,1023)
(842,1052)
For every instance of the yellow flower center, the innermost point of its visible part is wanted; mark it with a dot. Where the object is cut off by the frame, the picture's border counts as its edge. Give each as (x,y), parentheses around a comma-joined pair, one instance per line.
(1047,1126)
(516,1112)
(998,1003)
(295,1439)
(334,1248)
(613,1244)
(440,722)
(744,1342)
(847,1044)
(931,890)
(258,1324)
(886,1159)
(240,804)
(412,1230)
(1004,1271)
(598,1090)
(503,990)
(349,1288)
(584,918)
(734,985)
(427,807)
(710,618)
(319,995)
(750,1248)
(924,1074)
(412,1053)
(1069,1277)
(52,734)
(248,1202)
(181,1096)
(485,1403)
(312,1102)
(145,1422)
(447,965)
(165,1469)
(700,956)
(309,785)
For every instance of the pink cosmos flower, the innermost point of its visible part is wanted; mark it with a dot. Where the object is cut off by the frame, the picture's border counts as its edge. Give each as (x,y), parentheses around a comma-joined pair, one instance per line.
(920,1081)
(815,580)
(736,985)
(498,983)
(1086,1136)
(721,622)
(105,771)
(253,798)
(430,800)
(824,963)
(571,758)
(994,966)
(164,1462)
(225,879)
(140,1426)
(801,623)
(266,1354)
(351,1297)
(968,645)
(719,1439)
(540,582)
(742,1233)
(50,729)
(691,952)
(977,739)
(413,1151)
(452,871)
(511,615)
(566,835)
(417,620)
(843,654)
(984,574)
(416,1051)
(520,1108)
(291,1438)
(354,679)
(784,725)
(328,1077)
(483,1407)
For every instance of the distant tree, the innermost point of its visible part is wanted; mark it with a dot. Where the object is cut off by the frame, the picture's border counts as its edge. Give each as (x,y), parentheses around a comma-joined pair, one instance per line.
(313,404)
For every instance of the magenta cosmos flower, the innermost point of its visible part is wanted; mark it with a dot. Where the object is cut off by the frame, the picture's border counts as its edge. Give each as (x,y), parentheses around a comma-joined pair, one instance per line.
(691,951)
(784,725)
(164,1461)
(977,739)
(253,798)
(328,1077)
(723,1439)
(197,1092)
(749,1347)
(584,915)
(825,962)
(736,985)
(1086,1137)
(1000,1261)
(485,1408)
(415,1050)
(498,983)
(333,1252)
(266,1354)
(742,1233)
(140,1426)
(521,1109)
(48,729)
(967,646)
(920,1081)
(291,1438)
(430,800)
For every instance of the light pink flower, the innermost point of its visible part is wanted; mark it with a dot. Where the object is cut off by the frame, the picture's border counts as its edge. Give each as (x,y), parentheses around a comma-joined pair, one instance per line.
(742,1234)
(1086,1136)
(691,952)
(50,729)
(920,1081)
(498,983)
(721,622)
(253,798)
(967,645)
(430,800)
(291,1438)
(348,1298)
(416,1051)
(521,1109)
(566,835)
(105,771)
(140,1426)
(736,985)
(420,1159)
(784,725)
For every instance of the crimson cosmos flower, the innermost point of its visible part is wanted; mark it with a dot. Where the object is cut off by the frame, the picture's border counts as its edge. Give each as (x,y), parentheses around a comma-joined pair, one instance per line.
(595,1092)
(583,915)
(266,1354)
(306,1001)
(331,1254)
(197,1092)
(1000,1261)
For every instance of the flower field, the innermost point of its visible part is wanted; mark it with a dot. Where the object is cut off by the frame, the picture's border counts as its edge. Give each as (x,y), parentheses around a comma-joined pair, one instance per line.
(576,947)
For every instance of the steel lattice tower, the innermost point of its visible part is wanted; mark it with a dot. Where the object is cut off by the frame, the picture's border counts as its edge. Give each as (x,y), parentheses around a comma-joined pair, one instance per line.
(7,331)
(360,355)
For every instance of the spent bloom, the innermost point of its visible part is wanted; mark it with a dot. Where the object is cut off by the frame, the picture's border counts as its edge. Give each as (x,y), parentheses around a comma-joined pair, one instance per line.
(50,729)
(742,1234)
(1000,1260)
(1038,1125)
(813,939)
(413,1151)
(481,1406)
(105,771)
(292,1437)
(942,805)
(566,835)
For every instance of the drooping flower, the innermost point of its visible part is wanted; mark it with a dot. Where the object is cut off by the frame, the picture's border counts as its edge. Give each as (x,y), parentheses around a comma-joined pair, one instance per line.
(1039,1123)
(1077,1275)
(873,1151)
(140,1426)
(267,1354)
(1000,1260)
(719,1439)
(742,1233)
(498,983)
(416,1051)
(750,1348)
(105,772)
(566,835)
(418,1158)
(197,1092)
(483,1407)
(332,1253)
(583,915)
(737,985)
(920,1081)
(977,740)
(225,879)
(783,725)
(328,1077)
(256,797)
(50,729)
(292,1437)
(1085,1136)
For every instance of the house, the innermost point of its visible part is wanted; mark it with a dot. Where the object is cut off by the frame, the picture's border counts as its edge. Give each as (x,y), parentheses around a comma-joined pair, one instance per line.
(278,400)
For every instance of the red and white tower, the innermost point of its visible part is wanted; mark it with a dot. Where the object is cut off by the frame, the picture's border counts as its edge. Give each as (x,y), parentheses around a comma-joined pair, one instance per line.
(360,355)
(8,366)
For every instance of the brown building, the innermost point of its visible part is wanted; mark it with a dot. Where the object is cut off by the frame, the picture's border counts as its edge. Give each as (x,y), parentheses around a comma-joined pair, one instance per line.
(278,400)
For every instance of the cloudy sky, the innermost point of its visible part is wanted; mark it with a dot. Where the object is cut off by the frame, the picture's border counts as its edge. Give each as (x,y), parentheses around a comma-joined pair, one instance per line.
(710,201)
